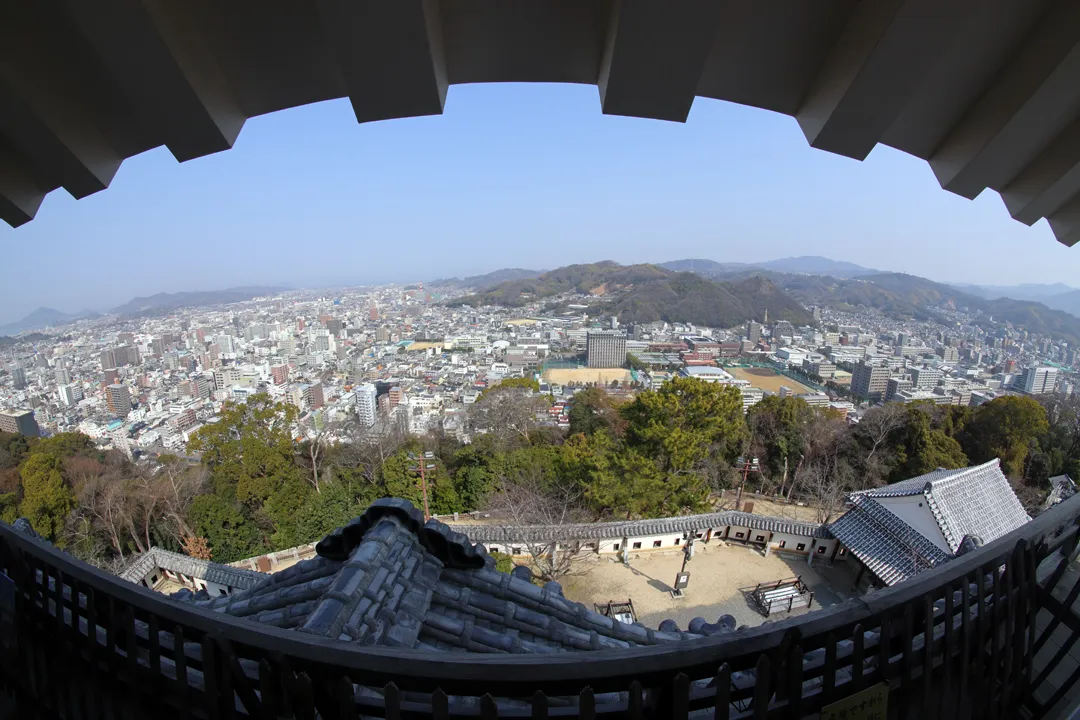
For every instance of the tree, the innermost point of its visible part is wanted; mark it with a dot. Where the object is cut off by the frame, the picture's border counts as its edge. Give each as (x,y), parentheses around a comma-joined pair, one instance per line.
(230,535)
(921,448)
(878,426)
(509,412)
(324,511)
(778,428)
(250,453)
(532,499)
(679,424)
(592,410)
(47,499)
(1005,428)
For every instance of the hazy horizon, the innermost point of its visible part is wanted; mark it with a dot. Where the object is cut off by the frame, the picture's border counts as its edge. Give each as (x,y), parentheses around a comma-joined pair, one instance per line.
(529,176)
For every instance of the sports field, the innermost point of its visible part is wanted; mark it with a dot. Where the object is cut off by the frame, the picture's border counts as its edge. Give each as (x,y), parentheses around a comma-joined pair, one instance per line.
(563,376)
(767,380)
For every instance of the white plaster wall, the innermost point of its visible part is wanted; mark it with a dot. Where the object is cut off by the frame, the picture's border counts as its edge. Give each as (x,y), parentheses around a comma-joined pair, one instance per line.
(916,512)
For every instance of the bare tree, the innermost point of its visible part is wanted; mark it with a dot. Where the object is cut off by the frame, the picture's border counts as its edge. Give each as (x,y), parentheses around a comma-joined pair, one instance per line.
(533,513)
(367,449)
(823,474)
(316,448)
(507,412)
(879,423)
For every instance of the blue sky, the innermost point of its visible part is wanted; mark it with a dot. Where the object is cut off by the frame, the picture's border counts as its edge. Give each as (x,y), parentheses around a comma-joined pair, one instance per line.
(509,176)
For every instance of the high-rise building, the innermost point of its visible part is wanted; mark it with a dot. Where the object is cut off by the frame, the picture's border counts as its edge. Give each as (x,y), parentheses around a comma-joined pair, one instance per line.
(1038,380)
(280,374)
(366,407)
(753,331)
(118,399)
(19,421)
(869,381)
(70,394)
(395,396)
(157,346)
(18,377)
(382,334)
(949,353)
(605,348)
(63,375)
(313,396)
(373,313)
(172,360)
(201,387)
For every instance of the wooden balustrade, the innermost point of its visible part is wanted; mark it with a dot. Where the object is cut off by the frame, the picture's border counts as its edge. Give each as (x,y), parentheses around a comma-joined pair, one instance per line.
(959,641)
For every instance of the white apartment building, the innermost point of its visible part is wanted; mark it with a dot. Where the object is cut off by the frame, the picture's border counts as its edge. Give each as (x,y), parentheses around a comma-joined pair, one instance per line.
(365,404)
(1038,380)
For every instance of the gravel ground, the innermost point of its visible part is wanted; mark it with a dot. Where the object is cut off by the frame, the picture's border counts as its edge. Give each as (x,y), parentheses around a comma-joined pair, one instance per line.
(720,578)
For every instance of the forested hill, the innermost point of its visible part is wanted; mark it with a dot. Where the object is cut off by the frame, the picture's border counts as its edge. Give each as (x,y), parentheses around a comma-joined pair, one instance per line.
(647,293)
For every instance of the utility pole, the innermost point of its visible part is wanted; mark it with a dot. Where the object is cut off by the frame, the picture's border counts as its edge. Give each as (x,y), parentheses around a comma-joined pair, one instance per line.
(748,464)
(422,464)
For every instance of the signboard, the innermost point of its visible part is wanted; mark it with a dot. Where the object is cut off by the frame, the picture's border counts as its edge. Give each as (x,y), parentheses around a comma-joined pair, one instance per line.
(682,579)
(869,704)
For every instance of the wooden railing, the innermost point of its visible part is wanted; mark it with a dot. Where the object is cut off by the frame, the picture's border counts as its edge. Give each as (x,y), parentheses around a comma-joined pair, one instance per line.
(956,642)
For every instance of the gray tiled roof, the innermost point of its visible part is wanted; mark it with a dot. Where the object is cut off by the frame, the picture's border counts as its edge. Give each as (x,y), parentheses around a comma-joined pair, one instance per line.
(888,546)
(154,558)
(641,528)
(394,580)
(975,501)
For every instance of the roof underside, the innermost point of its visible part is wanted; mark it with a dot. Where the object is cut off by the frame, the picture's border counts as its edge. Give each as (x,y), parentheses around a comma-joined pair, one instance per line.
(988,91)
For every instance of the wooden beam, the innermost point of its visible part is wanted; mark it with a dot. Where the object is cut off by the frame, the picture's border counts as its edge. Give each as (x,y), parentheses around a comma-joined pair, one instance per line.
(390,54)
(654,56)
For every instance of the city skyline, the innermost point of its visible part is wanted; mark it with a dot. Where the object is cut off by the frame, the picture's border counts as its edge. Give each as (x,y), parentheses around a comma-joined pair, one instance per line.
(511,176)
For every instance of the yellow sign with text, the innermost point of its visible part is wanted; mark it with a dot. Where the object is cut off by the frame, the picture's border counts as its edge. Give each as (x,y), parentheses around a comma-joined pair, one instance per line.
(869,704)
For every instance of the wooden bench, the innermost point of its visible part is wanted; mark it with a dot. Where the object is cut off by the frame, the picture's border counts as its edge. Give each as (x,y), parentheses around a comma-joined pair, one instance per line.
(782,596)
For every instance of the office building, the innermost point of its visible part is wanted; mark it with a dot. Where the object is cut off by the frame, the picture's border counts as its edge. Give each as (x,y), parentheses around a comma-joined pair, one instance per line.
(225,377)
(366,407)
(925,378)
(1038,380)
(70,394)
(18,378)
(118,399)
(895,386)
(19,421)
(949,354)
(869,381)
(605,348)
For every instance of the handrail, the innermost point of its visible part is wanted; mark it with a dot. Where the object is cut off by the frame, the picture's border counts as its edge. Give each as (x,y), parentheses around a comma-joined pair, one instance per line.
(424,670)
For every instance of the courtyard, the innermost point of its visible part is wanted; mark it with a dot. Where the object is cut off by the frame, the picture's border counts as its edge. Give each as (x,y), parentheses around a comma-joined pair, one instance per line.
(721,578)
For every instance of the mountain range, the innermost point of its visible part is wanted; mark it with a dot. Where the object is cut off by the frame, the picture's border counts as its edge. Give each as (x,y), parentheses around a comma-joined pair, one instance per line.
(808,264)
(44,317)
(649,293)
(727,294)
(490,279)
(162,302)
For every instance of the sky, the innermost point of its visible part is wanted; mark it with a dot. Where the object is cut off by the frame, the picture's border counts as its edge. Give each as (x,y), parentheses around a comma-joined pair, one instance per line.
(511,175)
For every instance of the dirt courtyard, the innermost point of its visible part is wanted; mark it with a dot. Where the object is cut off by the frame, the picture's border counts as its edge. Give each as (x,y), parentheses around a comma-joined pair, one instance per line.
(720,578)
(563,376)
(767,380)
